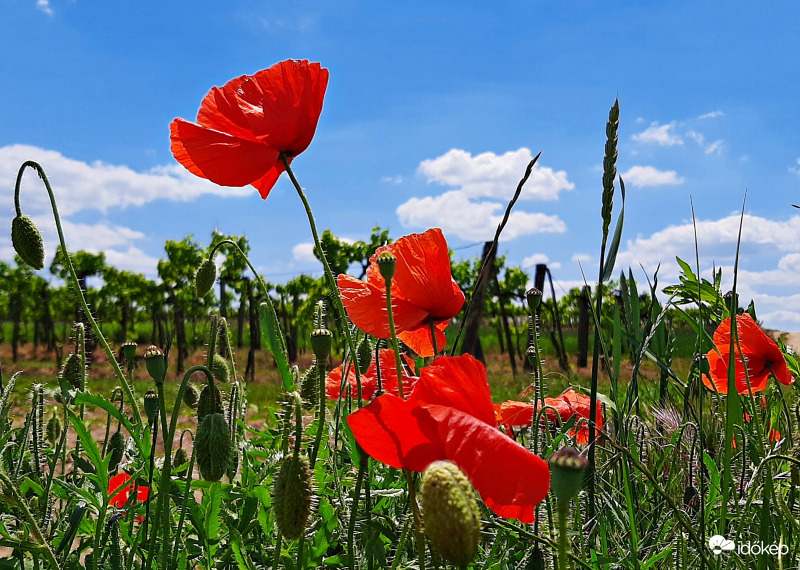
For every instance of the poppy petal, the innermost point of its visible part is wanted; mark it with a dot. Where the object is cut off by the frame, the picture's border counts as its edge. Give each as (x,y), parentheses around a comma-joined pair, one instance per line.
(418,339)
(221,158)
(459,382)
(510,479)
(423,274)
(366,306)
(397,432)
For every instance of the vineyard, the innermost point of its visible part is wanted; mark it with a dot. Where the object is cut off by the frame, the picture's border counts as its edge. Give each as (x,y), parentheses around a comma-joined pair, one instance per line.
(403,410)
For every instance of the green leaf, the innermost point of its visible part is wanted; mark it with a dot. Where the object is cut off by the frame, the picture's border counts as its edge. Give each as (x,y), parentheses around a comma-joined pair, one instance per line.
(92,451)
(113,410)
(212,503)
(273,337)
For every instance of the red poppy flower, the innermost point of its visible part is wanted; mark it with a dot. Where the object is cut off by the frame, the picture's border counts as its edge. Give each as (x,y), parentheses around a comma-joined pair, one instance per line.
(567,405)
(762,355)
(423,291)
(369,380)
(119,489)
(243,127)
(450,415)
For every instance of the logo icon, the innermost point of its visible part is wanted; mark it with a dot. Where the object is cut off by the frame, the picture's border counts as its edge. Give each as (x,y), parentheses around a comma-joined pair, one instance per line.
(719,543)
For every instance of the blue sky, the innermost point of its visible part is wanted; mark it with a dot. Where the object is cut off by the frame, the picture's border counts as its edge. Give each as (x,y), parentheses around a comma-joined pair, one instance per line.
(431,114)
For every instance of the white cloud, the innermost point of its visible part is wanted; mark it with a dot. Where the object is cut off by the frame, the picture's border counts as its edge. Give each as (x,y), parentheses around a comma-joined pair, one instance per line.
(660,134)
(537,258)
(771,243)
(44,6)
(474,221)
(392,179)
(99,186)
(712,115)
(489,175)
(714,148)
(795,169)
(303,252)
(581,257)
(697,137)
(641,176)
(133,259)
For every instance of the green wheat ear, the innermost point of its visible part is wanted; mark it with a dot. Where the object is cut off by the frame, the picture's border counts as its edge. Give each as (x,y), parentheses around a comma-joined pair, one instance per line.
(610,166)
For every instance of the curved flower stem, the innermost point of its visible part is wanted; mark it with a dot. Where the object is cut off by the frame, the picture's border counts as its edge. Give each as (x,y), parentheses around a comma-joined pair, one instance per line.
(137,415)
(337,300)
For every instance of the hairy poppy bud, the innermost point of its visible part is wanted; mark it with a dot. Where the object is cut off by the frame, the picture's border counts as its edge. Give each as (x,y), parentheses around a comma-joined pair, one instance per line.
(179,459)
(71,371)
(156,363)
(309,386)
(450,512)
(213,447)
(386,264)
(27,241)
(534,298)
(205,277)
(116,447)
(291,498)
(128,351)
(364,356)
(208,404)
(53,430)
(321,342)
(191,395)
(151,405)
(220,369)
(567,468)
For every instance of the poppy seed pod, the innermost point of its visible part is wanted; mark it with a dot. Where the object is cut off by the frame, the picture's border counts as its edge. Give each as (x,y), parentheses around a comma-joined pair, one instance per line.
(364,355)
(534,298)
(220,369)
(156,363)
(213,447)
(567,467)
(321,342)
(450,512)
(291,497)
(116,447)
(128,351)
(27,241)
(151,405)
(208,404)
(309,385)
(387,261)
(71,371)
(204,277)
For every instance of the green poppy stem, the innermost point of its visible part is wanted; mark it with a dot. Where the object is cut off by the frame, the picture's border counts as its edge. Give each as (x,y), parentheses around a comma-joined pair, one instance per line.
(137,416)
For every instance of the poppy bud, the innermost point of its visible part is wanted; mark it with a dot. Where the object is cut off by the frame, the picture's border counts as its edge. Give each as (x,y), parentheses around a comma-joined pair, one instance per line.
(450,512)
(567,468)
(364,356)
(71,371)
(309,385)
(151,405)
(321,341)
(213,447)
(116,447)
(220,369)
(27,241)
(208,404)
(53,430)
(205,277)
(191,395)
(179,459)
(223,340)
(128,352)
(531,354)
(536,560)
(291,497)
(386,264)
(156,363)
(534,298)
